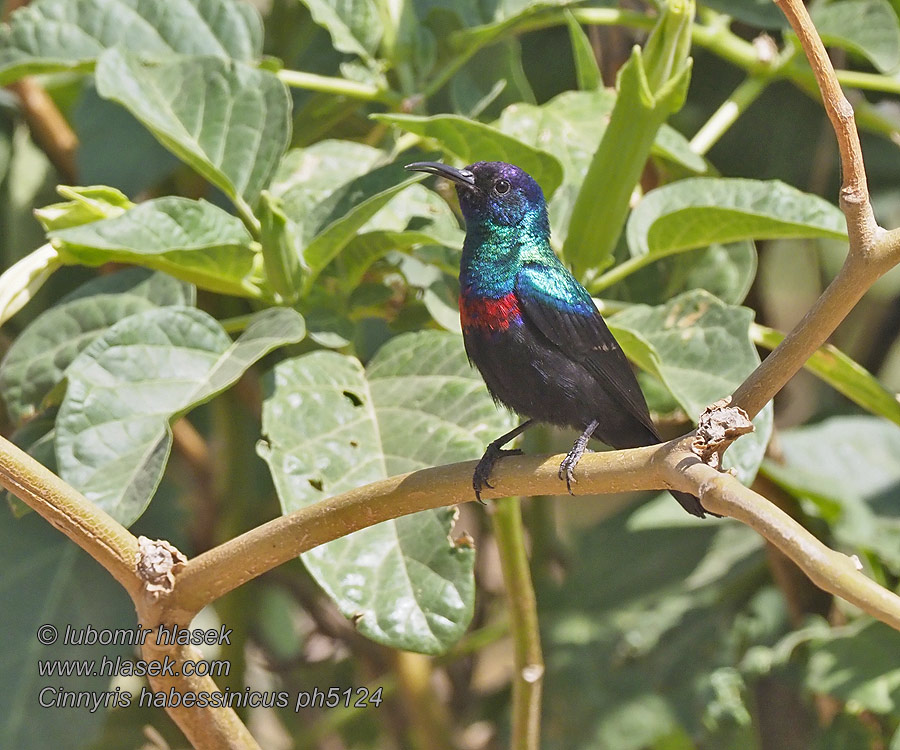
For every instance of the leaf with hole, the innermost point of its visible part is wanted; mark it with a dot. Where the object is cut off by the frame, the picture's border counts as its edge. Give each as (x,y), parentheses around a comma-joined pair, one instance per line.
(331,426)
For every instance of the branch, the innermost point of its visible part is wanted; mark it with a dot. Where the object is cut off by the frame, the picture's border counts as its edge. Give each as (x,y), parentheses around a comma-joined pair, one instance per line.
(666,466)
(873,251)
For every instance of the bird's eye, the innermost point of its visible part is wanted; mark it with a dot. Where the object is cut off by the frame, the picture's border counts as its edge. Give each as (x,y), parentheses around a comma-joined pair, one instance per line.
(501,187)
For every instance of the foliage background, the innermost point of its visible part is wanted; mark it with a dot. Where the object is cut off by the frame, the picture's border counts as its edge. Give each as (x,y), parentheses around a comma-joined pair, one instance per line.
(658,631)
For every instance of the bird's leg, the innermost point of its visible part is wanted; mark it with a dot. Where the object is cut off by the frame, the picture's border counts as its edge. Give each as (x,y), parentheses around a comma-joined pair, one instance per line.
(567,467)
(491,455)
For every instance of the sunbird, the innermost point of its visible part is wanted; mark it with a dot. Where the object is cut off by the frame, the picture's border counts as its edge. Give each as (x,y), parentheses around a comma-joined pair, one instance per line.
(532,329)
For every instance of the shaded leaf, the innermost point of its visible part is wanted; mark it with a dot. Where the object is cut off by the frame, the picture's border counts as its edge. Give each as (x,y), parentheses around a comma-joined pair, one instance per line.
(850,664)
(867,27)
(849,468)
(703,210)
(37,360)
(701,350)
(48,580)
(227,120)
(333,426)
(49,35)
(193,240)
(355,26)
(113,432)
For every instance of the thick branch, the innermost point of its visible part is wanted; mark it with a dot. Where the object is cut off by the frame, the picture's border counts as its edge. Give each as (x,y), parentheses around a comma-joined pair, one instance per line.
(216,572)
(670,465)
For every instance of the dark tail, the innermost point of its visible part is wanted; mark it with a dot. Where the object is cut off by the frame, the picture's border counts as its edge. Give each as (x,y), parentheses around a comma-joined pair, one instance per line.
(691,504)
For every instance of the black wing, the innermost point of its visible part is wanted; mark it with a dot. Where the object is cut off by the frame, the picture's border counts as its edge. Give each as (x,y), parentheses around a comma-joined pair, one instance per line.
(546,295)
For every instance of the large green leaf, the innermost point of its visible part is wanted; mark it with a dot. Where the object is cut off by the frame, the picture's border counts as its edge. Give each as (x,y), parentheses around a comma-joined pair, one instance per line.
(867,27)
(704,210)
(570,127)
(701,350)
(48,580)
(472,141)
(332,426)
(849,468)
(229,121)
(113,431)
(725,271)
(49,35)
(38,358)
(193,240)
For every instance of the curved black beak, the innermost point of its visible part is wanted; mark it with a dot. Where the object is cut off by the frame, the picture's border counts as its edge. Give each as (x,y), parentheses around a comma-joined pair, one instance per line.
(459,176)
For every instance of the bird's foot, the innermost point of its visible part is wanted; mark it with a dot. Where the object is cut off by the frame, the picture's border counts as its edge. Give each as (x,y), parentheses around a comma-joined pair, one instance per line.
(483,471)
(567,467)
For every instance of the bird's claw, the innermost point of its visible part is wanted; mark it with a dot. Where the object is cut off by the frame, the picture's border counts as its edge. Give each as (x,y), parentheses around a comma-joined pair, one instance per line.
(567,467)
(486,465)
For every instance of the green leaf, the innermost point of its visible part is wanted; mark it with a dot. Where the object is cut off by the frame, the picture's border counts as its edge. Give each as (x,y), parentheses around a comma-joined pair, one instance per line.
(50,35)
(725,271)
(842,373)
(338,218)
(333,426)
(355,26)
(281,258)
(867,27)
(762,13)
(587,71)
(662,628)
(701,350)
(472,141)
(192,240)
(570,126)
(48,580)
(227,120)
(85,204)
(822,462)
(851,665)
(703,210)
(412,218)
(38,358)
(113,432)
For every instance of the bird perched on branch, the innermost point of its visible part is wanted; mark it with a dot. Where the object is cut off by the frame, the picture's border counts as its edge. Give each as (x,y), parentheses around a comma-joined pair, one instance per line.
(532,330)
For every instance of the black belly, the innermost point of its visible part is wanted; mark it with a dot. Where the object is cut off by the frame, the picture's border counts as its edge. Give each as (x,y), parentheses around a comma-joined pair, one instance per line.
(536,379)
